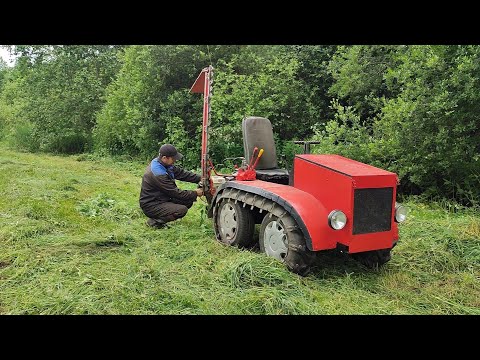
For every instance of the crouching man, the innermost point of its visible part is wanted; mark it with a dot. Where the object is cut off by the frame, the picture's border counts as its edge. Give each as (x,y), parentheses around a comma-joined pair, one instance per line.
(160,198)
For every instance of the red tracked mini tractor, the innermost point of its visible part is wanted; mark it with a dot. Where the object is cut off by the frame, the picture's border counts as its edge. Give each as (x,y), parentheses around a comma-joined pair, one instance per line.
(327,202)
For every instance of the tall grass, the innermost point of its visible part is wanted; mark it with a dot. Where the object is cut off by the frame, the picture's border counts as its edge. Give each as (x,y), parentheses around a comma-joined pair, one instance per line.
(74,241)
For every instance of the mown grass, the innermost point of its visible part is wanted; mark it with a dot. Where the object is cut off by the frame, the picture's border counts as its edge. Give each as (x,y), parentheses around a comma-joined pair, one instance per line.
(73,241)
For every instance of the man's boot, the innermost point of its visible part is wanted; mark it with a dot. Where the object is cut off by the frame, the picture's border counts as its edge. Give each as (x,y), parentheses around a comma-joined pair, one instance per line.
(157,223)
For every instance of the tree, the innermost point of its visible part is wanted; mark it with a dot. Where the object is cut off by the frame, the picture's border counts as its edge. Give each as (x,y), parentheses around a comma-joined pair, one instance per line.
(150,92)
(412,110)
(63,88)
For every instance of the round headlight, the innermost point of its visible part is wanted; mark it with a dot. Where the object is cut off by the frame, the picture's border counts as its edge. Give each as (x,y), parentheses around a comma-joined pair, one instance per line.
(337,219)
(400,213)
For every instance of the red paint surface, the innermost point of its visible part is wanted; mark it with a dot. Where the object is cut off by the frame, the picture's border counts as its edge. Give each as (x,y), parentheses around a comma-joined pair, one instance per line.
(332,179)
(198,85)
(344,165)
(307,207)
(202,85)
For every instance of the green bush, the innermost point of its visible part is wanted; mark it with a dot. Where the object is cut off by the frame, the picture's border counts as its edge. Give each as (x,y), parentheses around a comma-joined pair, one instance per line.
(143,105)
(418,116)
(22,137)
(69,143)
(60,89)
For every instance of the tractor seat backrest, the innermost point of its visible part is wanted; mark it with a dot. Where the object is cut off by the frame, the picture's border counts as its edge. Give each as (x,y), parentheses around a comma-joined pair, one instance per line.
(258,131)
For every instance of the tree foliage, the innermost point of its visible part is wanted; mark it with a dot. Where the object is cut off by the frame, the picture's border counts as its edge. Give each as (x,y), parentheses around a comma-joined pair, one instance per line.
(258,81)
(409,109)
(147,97)
(62,88)
(424,124)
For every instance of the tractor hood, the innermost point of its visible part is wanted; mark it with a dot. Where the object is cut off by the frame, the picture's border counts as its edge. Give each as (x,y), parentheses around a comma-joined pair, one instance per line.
(362,174)
(364,193)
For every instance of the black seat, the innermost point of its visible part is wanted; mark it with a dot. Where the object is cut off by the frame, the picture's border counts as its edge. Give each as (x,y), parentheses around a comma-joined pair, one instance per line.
(257,131)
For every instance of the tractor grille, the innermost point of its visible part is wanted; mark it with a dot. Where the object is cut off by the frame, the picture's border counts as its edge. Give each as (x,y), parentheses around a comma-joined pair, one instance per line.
(372,210)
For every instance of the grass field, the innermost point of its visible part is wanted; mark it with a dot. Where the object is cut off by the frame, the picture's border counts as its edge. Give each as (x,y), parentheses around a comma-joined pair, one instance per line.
(74,241)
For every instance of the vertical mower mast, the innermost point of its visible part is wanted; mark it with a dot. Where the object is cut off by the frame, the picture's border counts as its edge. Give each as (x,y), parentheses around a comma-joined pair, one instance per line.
(203,85)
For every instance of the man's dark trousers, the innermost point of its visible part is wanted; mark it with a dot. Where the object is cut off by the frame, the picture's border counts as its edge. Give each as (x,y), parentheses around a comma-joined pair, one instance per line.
(168,211)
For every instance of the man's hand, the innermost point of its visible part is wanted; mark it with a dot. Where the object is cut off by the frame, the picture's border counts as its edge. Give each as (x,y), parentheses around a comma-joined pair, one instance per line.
(199,192)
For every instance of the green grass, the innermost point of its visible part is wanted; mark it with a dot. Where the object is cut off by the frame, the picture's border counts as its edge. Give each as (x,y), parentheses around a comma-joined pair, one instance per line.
(74,241)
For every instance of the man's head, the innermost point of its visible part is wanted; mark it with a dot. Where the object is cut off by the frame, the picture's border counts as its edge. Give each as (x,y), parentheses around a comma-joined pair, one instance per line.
(168,154)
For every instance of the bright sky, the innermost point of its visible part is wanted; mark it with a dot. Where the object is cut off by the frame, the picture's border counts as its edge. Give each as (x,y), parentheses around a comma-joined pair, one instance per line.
(5,56)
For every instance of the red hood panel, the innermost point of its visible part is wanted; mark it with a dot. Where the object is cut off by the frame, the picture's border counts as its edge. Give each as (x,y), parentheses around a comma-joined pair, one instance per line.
(345,166)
